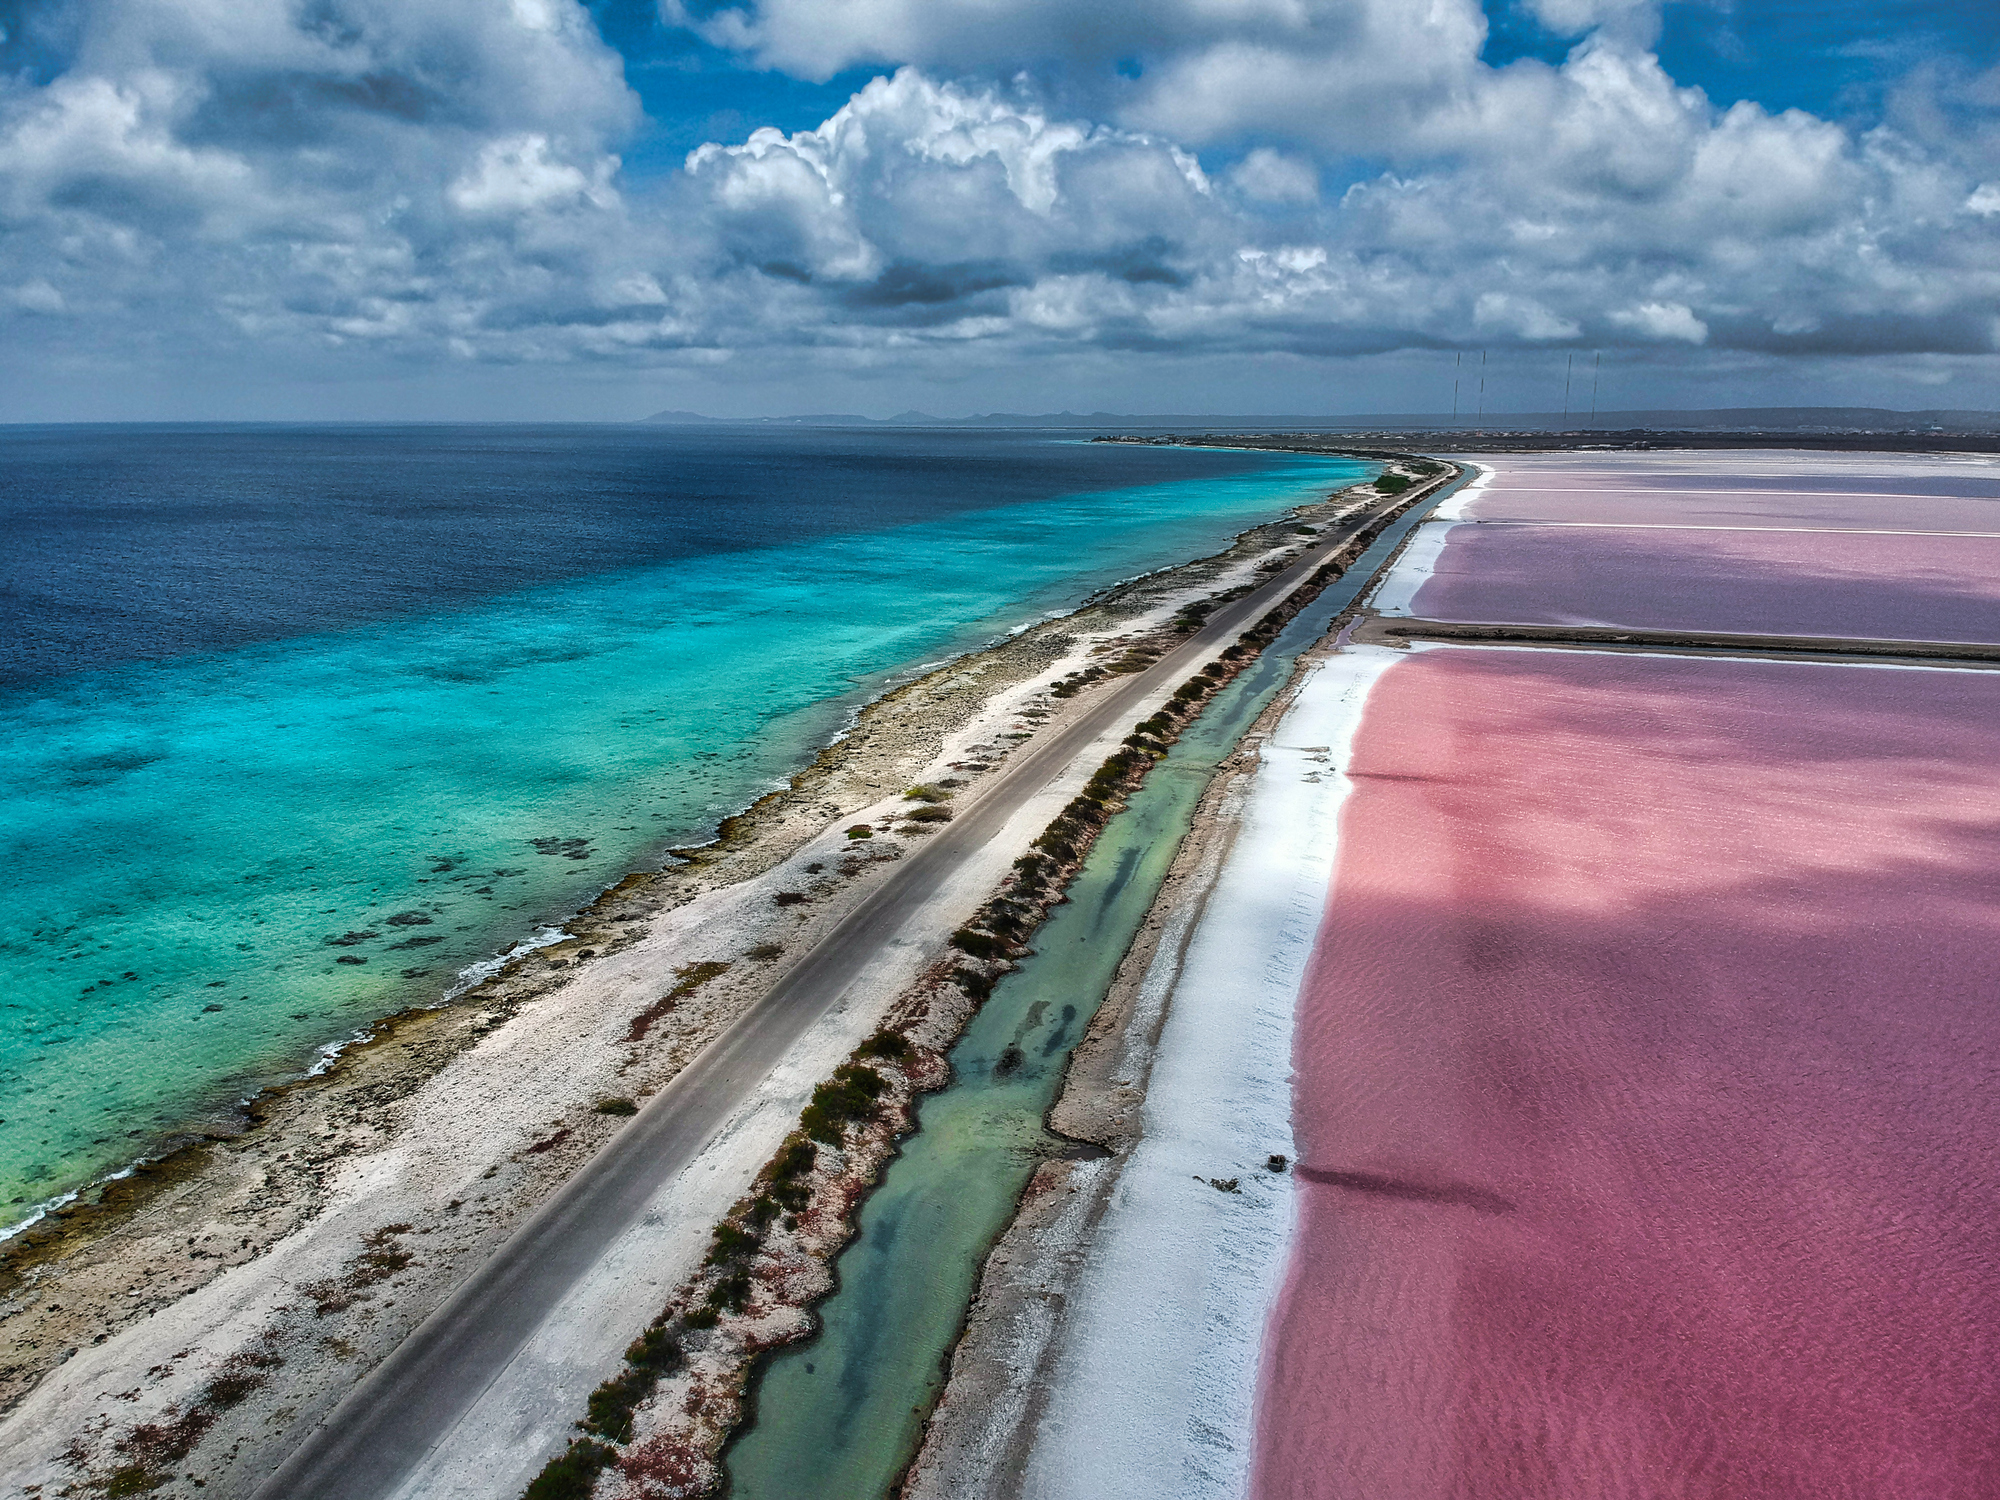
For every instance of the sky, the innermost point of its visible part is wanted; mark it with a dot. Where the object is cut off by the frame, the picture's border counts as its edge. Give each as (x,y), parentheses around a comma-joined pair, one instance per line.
(597,209)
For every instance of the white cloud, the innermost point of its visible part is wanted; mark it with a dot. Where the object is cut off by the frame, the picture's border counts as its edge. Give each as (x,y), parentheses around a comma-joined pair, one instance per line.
(1524,317)
(441,180)
(1663,321)
(38,296)
(1267,176)
(517,175)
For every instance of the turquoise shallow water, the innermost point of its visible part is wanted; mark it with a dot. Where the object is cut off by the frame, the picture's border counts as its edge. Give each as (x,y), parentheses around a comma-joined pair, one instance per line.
(184,838)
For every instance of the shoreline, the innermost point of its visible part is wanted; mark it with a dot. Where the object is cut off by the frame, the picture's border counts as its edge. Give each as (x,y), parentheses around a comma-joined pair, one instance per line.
(243,1111)
(297,1177)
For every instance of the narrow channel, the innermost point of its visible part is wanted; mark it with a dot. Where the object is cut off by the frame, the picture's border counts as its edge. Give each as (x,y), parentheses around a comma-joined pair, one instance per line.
(840,1417)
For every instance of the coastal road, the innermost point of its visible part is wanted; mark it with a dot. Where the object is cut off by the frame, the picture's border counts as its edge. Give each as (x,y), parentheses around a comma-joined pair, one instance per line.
(386,1426)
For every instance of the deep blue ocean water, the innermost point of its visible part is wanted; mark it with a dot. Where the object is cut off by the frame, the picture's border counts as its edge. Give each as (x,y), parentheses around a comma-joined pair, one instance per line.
(267,687)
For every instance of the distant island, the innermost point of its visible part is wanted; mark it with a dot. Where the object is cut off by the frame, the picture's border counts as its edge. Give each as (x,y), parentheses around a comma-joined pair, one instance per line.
(1828,419)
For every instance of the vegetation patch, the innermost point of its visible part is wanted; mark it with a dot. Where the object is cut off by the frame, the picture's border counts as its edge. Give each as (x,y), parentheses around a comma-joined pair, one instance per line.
(848,1096)
(616,1107)
(572,1474)
(380,1258)
(151,1449)
(687,979)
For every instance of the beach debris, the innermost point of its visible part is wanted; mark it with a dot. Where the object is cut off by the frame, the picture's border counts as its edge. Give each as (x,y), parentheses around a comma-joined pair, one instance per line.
(1275,1162)
(1226,1184)
(790,898)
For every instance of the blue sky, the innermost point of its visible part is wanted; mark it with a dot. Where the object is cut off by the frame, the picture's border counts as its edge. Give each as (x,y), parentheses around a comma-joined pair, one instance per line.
(575,208)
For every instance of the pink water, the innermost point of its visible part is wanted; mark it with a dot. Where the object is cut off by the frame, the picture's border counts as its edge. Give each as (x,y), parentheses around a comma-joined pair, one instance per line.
(1808,493)
(1648,1092)
(1776,582)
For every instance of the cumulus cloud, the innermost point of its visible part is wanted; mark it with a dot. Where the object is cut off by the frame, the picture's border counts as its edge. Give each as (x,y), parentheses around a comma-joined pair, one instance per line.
(1664,321)
(1267,176)
(441,180)
(213,170)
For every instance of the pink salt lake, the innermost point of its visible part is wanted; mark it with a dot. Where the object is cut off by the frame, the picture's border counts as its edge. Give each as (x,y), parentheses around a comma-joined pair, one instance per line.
(1648,1091)
(1826,547)
(1758,582)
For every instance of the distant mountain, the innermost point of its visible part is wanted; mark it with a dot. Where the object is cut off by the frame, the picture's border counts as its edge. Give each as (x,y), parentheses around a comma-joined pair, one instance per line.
(1718,419)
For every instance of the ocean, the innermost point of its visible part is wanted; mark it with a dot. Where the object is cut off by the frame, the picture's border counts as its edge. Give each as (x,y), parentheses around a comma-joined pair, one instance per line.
(278,699)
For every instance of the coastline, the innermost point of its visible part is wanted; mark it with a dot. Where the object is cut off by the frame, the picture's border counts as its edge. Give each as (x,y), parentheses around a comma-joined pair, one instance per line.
(323,1163)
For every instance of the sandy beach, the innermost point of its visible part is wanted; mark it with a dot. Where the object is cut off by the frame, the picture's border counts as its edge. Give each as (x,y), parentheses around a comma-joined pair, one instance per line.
(279,1265)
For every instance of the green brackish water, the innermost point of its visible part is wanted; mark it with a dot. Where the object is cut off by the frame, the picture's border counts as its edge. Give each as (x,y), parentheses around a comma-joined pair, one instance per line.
(839,1418)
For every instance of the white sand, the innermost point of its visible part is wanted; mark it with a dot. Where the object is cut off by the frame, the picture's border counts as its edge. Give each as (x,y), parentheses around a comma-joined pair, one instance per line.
(1395,593)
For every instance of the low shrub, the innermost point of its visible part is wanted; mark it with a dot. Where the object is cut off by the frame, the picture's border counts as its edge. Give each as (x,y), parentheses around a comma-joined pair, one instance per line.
(929,815)
(655,1350)
(134,1479)
(616,1107)
(978,944)
(1056,845)
(732,1242)
(794,1161)
(608,1413)
(889,1044)
(847,1096)
(861,831)
(1393,484)
(925,792)
(730,1293)
(764,952)
(572,1474)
